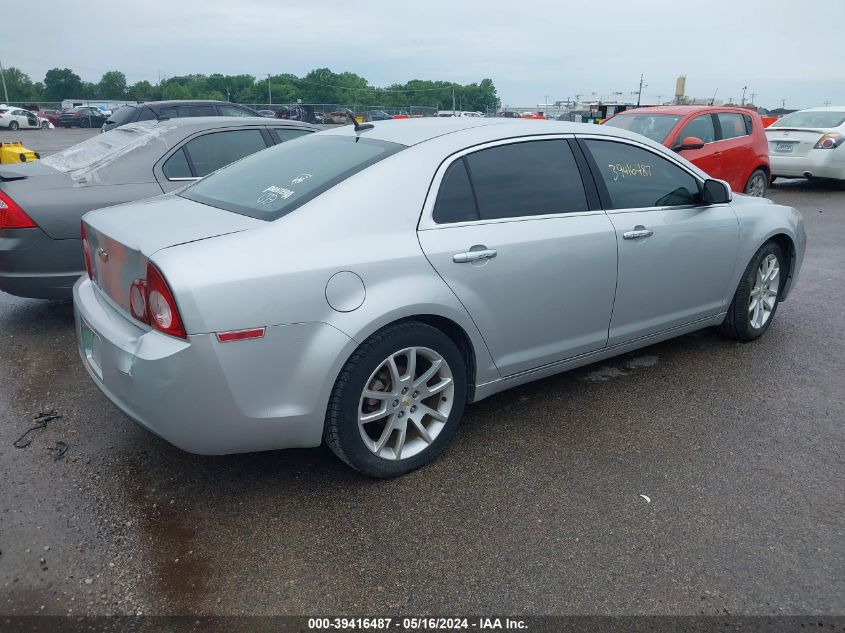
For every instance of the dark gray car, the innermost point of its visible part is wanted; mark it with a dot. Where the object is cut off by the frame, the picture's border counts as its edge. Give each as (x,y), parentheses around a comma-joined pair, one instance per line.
(151,110)
(41,203)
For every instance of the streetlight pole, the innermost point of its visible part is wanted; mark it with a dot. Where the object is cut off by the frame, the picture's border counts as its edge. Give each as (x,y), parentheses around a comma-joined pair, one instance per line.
(3,75)
(744,88)
(269,91)
(640,91)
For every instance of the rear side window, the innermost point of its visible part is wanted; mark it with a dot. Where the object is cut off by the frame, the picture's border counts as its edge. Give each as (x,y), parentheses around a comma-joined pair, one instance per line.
(637,178)
(700,127)
(195,110)
(177,166)
(280,134)
(124,115)
(525,179)
(210,152)
(273,183)
(455,200)
(733,125)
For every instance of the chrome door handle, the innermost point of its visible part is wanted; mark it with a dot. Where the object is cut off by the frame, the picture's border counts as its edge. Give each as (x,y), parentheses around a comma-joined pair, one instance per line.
(474,256)
(639,231)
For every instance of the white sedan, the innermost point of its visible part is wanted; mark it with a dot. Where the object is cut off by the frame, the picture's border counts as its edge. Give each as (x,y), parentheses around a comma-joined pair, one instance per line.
(17,118)
(809,144)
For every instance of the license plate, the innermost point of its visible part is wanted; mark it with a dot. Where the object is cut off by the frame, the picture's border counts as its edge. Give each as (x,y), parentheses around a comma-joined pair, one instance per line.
(92,348)
(784,147)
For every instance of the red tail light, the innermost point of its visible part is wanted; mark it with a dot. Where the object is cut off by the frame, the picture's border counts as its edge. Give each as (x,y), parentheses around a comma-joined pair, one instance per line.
(12,216)
(151,302)
(76,114)
(86,251)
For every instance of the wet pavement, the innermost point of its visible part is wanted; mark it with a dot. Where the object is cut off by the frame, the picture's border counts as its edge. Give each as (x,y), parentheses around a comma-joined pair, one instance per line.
(538,506)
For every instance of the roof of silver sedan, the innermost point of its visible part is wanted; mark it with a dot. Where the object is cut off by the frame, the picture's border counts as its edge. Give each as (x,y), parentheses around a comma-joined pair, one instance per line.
(415,131)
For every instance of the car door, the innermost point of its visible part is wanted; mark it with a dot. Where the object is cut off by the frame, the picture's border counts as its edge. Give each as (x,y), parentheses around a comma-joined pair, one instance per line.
(676,255)
(734,142)
(204,153)
(709,157)
(525,248)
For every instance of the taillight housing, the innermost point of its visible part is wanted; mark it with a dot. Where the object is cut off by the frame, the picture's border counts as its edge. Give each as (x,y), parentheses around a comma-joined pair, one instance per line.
(830,141)
(86,251)
(12,216)
(152,302)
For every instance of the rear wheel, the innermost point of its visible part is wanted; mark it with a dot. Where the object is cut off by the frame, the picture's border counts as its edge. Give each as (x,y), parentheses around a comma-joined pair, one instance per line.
(397,401)
(757,184)
(85,123)
(45,125)
(13,126)
(756,299)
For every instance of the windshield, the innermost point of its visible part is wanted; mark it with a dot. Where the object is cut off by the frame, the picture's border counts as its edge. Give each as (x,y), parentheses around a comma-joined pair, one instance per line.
(811,118)
(274,182)
(104,148)
(123,115)
(654,126)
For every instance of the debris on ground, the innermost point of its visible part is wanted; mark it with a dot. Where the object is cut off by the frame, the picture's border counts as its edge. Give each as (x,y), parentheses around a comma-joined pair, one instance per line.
(60,448)
(41,421)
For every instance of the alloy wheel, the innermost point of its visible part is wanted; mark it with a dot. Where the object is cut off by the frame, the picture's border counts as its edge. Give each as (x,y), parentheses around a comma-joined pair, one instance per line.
(405,403)
(757,185)
(764,294)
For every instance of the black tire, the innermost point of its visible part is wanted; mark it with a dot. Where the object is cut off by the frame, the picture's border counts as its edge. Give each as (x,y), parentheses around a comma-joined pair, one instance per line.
(13,126)
(85,123)
(737,323)
(341,432)
(45,125)
(757,183)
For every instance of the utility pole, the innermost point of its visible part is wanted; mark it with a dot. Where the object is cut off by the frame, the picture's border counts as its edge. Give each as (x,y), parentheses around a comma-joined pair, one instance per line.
(269,91)
(3,75)
(753,97)
(640,91)
(783,103)
(744,88)
(453,100)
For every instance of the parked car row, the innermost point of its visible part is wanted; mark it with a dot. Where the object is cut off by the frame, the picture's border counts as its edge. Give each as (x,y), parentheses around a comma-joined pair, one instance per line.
(17,118)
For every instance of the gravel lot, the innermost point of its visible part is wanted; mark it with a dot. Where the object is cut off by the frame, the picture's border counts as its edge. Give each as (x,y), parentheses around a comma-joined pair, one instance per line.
(535,508)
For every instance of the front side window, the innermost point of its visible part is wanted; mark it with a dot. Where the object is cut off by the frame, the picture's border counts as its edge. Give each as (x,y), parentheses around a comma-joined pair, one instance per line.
(273,183)
(637,178)
(281,134)
(525,179)
(733,125)
(233,111)
(210,152)
(700,127)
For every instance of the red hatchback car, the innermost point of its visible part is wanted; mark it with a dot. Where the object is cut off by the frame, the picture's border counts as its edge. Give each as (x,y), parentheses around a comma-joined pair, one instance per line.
(727,143)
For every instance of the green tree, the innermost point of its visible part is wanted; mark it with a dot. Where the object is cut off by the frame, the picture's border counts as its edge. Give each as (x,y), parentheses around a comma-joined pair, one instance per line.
(62,83)
(112,85)
(19,86)
(142,91)
(174,90)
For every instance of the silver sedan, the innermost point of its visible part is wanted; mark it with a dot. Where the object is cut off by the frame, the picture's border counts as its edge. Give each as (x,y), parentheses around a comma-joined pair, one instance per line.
(361,286)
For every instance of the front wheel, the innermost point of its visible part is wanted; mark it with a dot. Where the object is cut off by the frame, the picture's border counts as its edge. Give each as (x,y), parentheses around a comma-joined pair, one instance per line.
(756,299)
(397,401)
(85,123)
(757,184)
(13,126)
(45,125)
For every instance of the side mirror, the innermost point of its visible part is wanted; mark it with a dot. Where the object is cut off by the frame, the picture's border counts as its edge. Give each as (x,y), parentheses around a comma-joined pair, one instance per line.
(690,142)
(715,192)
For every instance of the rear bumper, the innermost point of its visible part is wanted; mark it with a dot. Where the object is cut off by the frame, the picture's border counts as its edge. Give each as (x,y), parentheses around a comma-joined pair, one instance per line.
(34,265)
(208,397)
(821,163)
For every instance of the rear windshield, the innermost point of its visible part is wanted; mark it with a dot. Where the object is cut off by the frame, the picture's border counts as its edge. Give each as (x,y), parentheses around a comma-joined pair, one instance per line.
(100,150)
(654,126)
(274,182)
(123,115)
(811,119)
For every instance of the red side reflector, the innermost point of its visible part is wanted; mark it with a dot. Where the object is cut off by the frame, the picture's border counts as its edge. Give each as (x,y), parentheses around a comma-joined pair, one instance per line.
(240,335)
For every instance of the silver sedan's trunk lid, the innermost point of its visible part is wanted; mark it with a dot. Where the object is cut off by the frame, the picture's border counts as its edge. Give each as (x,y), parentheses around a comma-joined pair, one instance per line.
(123,238)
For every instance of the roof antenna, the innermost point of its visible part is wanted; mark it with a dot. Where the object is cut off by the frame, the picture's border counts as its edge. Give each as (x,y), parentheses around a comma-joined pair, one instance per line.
(359,127)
